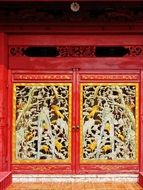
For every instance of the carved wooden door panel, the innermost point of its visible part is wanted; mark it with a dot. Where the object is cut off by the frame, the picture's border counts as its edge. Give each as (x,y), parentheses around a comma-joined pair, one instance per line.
(108,122)
(75,123)
(42,122)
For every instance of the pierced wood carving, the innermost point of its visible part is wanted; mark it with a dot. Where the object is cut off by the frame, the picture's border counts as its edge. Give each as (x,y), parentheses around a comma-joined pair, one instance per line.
(17,51)
(83,51)
(109,77)
(41,77)
(42,120)
(76,51)
(135,50)
(109,122)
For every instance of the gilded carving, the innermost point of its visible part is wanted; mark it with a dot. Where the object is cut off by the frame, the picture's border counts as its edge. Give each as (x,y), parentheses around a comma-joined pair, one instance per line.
(38,168)
(109,77)
(42,122)
(109,122)
(41,77)
(112,167)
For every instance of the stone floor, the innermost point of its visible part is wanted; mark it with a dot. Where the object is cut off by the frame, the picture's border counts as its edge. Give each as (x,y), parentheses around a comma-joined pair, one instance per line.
(74,186)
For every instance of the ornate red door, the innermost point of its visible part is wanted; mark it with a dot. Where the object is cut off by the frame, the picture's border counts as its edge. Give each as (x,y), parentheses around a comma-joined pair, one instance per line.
(75,122)
(70,120)
(108,122)
(42,122)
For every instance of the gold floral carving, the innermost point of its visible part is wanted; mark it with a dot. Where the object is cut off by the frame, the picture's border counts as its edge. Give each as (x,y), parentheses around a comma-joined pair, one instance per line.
(56,118)
(40,168)
(109,77)
(114,115)
(41,77)
(112,167)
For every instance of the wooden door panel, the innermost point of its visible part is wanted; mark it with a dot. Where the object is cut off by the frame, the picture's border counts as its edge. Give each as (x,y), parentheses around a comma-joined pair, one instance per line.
(75,123)
(42,123)
(109,122)
(42,118)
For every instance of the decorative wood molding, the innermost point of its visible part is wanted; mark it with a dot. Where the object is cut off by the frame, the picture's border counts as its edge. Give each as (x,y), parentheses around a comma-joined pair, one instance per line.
(80,51)
(57,13)
(41,77)
(135,51)
(17,51)
(113,167)
(76,51)
(109,77)
(40,168)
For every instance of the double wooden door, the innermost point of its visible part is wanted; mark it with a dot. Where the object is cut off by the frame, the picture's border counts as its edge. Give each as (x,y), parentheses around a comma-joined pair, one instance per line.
(74,122)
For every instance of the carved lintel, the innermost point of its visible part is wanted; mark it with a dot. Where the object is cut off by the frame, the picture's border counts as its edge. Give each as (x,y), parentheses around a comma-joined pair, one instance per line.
(79,51)
(76,51)
(134,51)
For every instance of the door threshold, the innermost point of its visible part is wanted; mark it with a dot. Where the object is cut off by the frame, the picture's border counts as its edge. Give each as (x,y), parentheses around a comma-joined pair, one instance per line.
(75,178)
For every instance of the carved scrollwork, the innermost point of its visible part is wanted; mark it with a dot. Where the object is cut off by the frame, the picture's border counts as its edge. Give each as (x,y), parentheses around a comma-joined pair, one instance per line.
(113,167)
(135,51)
(41,77)
(109,77)
(42,122)
(76,51)
(109,122)
(80,51)
(17,51)
(40,168)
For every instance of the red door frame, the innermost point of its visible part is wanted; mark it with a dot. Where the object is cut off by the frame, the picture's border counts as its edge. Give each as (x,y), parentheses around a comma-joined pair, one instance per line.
(39,77)
(4,128)
(126,64)
(75,77)
(141,133)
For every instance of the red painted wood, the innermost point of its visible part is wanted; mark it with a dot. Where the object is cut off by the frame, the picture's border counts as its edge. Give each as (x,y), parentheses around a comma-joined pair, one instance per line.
(92,30)
(75,67)
(5,180)
(77,139)
(77,35)
(9,157)
(141,133)
(141,178)
(69,63)
(46,168)
(75,166)
(74,112)
(62,63)
(3,102)
(107,77)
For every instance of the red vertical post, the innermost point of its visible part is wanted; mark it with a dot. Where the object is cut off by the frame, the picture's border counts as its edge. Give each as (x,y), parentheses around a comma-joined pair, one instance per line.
(141,133)
(3,101)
